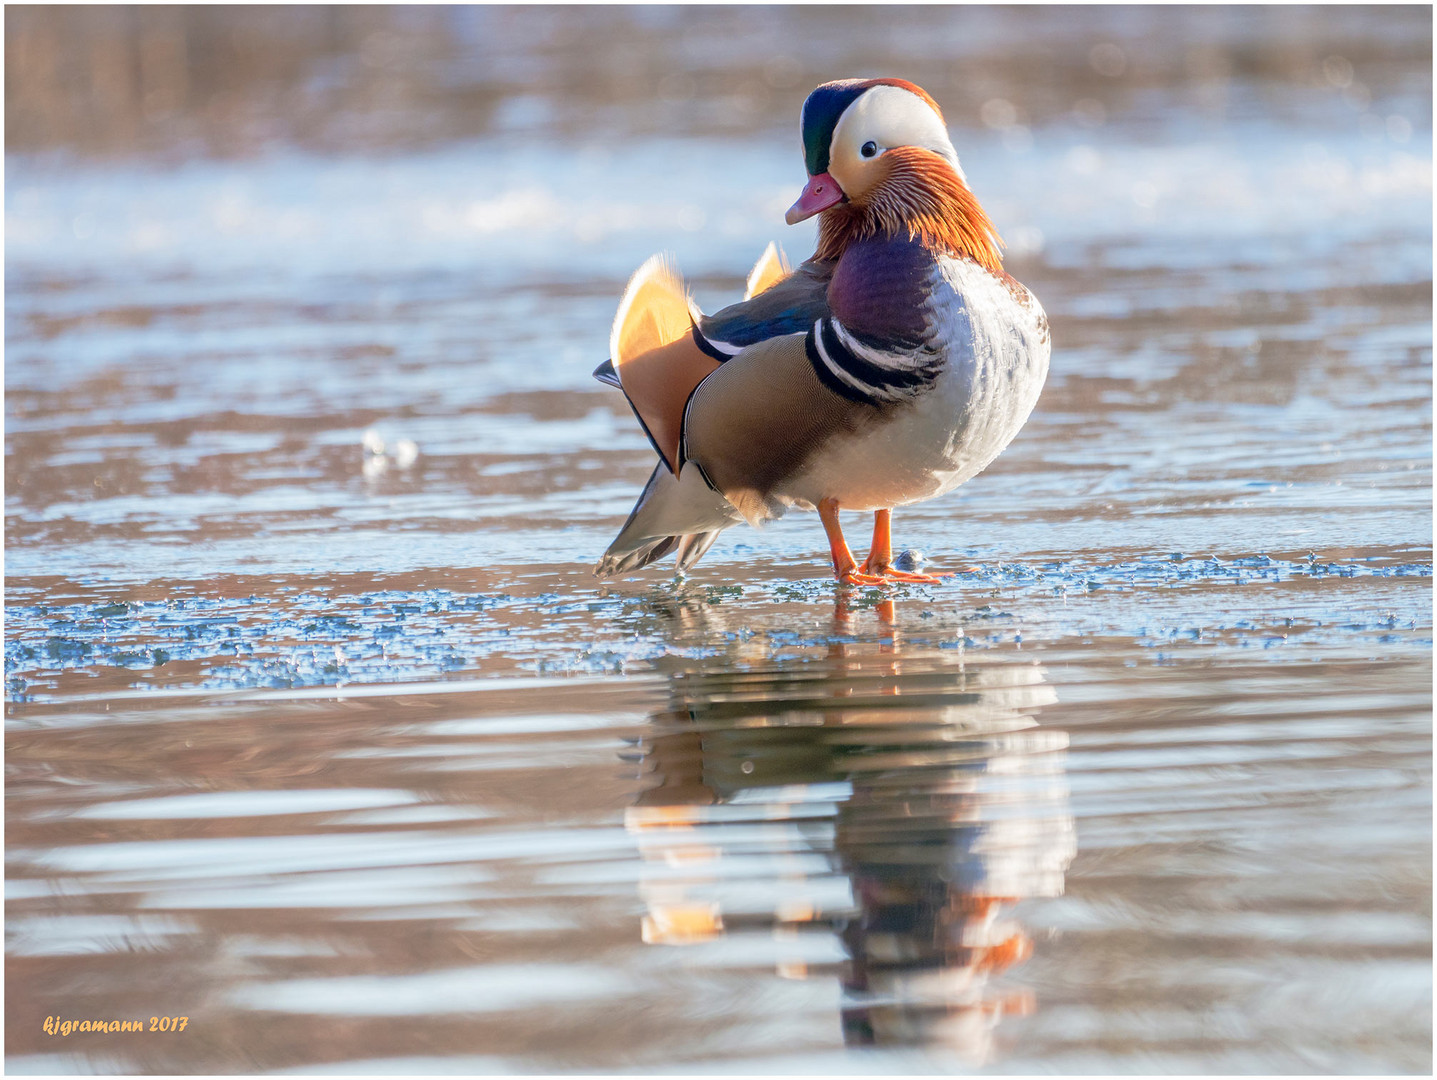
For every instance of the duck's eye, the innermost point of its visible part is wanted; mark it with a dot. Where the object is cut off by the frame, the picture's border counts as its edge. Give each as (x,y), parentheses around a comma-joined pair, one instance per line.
(868,149)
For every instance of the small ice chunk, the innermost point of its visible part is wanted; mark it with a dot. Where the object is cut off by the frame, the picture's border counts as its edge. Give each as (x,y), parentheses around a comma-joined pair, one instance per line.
(379,455)
(406,452)
(910,560)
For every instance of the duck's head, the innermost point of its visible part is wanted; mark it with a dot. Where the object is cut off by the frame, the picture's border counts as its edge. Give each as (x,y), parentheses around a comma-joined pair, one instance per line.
(879,160)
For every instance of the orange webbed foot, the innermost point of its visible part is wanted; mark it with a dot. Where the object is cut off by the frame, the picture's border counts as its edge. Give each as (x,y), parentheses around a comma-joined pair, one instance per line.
(845,567)
(855,576)
(887,573)
(880,556)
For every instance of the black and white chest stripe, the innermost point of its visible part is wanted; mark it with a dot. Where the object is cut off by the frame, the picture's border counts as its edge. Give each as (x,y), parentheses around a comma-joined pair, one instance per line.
(719,350)
(869,372)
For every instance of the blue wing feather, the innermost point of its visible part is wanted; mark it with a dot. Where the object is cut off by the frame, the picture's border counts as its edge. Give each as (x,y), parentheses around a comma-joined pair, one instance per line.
(788,307)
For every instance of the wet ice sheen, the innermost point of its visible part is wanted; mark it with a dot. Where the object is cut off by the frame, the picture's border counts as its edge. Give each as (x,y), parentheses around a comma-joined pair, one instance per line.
(463,990)
(794,853)
(243,804)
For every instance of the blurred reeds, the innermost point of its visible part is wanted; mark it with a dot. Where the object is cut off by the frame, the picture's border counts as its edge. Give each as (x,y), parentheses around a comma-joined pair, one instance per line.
(184,80)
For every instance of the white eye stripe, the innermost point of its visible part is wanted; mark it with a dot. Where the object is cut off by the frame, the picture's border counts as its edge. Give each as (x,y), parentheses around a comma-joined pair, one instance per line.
(891,116)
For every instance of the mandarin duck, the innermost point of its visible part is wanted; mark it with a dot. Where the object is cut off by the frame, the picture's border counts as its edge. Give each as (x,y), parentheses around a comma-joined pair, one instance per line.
(893,365)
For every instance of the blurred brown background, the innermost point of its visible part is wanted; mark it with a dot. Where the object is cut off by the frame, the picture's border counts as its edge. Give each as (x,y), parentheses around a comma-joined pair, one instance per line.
(189,80)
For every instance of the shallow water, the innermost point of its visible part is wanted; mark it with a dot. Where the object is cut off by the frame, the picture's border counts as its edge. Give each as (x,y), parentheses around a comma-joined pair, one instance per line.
(339,751)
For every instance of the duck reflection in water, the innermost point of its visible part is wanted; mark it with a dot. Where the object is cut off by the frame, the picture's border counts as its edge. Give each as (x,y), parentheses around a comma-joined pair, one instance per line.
(900,797)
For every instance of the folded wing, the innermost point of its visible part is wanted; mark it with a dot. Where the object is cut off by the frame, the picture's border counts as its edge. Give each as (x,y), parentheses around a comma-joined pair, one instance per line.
(662,348)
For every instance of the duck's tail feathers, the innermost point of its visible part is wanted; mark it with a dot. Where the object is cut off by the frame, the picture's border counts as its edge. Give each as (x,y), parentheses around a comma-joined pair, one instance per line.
(655,356)
(690,546)
(671,515)
(653,312)
(771,268)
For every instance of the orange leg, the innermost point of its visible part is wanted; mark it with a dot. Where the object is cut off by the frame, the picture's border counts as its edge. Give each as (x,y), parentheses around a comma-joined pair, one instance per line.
(845,567)
(880,553)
